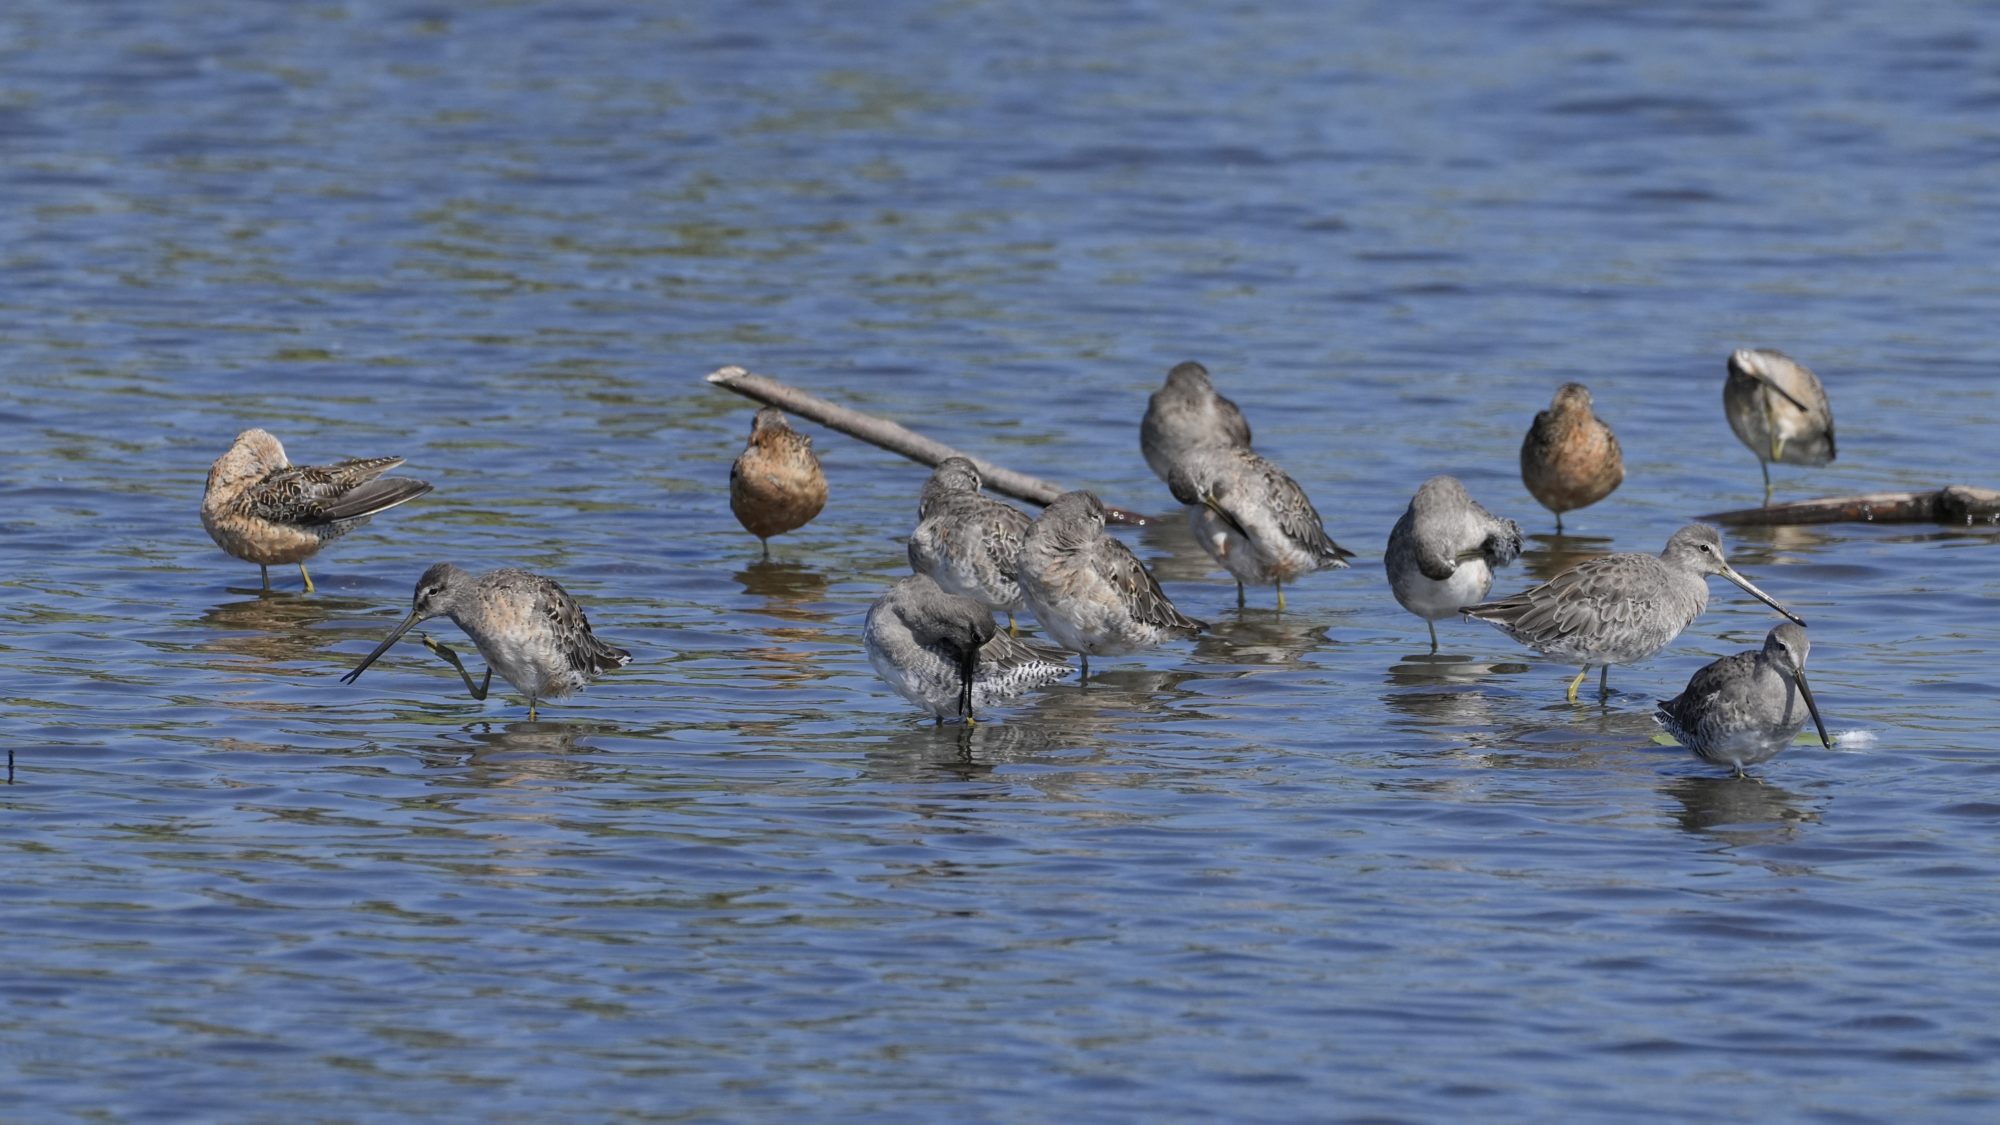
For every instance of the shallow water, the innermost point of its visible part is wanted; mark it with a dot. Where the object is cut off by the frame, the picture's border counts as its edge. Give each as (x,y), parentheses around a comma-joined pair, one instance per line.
(1295,868)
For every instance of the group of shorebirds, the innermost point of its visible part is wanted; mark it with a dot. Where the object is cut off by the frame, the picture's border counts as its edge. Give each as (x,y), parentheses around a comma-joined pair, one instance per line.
(933,636)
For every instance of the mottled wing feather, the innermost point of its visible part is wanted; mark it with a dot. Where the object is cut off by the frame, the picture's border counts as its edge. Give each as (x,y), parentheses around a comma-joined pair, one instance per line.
(1730,673)
(580,646)
(1006,651)
(309,494)
(1115,563)
(1297,517)
(1006,529)
(1577,600)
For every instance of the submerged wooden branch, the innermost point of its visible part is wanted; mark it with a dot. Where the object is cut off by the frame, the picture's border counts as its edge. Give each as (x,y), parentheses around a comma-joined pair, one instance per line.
(1958,503)
(896,438)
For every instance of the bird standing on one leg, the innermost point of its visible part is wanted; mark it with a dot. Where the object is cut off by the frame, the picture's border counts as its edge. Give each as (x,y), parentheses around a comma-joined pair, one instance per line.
(1570,458)
(942,651)
(1443,551)
(969,543)
(1778,408)
(775,484)
(261,508)
(525,625)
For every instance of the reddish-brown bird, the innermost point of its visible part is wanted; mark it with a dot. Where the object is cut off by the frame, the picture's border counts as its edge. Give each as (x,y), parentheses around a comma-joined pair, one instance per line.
(1570,458)
(776,484)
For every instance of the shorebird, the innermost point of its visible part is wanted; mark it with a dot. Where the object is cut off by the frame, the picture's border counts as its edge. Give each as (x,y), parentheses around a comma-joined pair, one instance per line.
(261,508)
(1622,608)
(1252,518)
(1778,408)
(1570,458)
(942,651)
(969,543)
(524,624)
(1443,551)
(1186,414)
(1743,709)
(776,484)
(1088,590)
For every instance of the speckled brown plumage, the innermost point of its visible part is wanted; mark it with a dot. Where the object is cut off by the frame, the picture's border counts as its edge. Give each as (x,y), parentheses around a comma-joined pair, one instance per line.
(776,484)
(1570,458)
(261,508)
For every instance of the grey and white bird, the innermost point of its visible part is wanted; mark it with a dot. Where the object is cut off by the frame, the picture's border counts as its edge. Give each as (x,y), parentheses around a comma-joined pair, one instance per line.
(1620,608)
(968,542)
(943,652)
(1743,709)
(1443,552)
(525,625)
(1252,517)
(1778,408)
(1186,414)
(1088,589)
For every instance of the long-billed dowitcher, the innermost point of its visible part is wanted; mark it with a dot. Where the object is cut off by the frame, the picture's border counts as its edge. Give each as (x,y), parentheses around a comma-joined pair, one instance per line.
(1251,517)
(776,484)
(1743,709)
(942,651)
(1186,414)
(1570,458)
(524,624)
(1778,408)
(263,509)
(1088,589)
(1443,551)
(1622,608)
(969,543)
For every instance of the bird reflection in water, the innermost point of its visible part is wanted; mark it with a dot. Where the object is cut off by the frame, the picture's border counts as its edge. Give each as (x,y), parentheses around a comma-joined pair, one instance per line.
(963,752)
(274,628)
(791,592)
(1544,556)
(1740,810)
(520,752)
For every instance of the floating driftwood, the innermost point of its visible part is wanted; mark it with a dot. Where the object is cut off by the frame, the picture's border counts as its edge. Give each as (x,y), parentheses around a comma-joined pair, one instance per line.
(895,438)
(1958,503)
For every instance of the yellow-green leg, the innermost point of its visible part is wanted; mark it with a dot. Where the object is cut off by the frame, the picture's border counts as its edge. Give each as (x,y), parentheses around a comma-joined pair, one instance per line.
(308,578)
(1578,682)
(531,710)
(1281,595)
(1013,630)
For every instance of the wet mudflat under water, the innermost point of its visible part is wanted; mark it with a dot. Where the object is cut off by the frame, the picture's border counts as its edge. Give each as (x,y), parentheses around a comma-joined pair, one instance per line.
(1298,867)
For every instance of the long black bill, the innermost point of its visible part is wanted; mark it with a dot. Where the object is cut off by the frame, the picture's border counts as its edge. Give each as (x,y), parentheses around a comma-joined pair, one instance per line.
(408,624)
(1812,707)
(1773,384)
(1729,572)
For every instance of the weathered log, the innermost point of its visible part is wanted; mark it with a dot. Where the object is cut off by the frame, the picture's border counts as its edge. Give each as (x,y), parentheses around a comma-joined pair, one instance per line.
(1958,503)
(896,438)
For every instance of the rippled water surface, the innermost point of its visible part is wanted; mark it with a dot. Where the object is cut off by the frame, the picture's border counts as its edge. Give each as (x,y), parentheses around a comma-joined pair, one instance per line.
(1297,868)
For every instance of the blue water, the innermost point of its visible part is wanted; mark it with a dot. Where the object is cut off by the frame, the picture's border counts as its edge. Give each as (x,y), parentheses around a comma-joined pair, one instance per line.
(1295,869)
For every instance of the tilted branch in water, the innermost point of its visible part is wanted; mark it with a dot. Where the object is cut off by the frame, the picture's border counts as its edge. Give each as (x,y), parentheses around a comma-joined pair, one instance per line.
(1958,503)
(895,438)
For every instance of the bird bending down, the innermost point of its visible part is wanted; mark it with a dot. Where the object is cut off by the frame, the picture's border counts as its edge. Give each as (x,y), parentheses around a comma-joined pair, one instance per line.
(1252,518)
(1621,608)
(1778,408)
(524,624)
(1088,589)
(775,484)
(1570,458)
(261,508)
(1186,414)
(1443,552)
(1743,709)
(969,543)
(942,651)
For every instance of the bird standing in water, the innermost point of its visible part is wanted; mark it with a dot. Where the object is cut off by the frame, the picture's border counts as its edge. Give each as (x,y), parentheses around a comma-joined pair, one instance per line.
(1186,414)
(1252,518)
(1443,551)
(776,484)
(1778,408)
(969,543)
(1743,709)
(1621,608)
(1089,590)
(524,624)
(1570,458)
(261,508)
(942,651)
